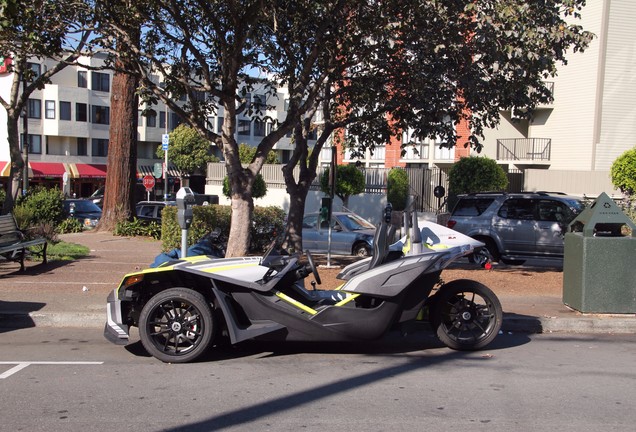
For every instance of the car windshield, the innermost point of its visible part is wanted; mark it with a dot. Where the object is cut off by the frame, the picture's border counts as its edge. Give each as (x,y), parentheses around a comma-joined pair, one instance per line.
(577,206)
(99,192)
(83,206)
(353,222)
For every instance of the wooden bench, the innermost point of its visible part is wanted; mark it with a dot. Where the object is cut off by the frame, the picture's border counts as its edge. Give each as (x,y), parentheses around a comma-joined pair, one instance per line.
(13,243)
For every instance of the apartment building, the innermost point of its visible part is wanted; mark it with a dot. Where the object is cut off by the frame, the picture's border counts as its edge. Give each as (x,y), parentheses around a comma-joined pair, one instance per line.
(588,125)
(68,129)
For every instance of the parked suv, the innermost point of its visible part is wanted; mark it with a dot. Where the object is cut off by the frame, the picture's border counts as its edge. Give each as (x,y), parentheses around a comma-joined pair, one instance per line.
(516,226)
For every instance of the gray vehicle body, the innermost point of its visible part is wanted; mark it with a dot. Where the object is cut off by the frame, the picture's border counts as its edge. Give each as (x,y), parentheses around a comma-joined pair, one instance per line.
(347,236)
(516,226)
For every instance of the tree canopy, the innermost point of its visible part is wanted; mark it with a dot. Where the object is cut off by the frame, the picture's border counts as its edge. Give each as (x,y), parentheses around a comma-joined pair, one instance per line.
(349,181)
(476,174)
(40,29)
(189,151)
(374,68)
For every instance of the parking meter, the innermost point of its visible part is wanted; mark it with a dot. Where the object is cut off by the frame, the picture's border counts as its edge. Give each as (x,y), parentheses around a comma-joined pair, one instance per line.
(185,202)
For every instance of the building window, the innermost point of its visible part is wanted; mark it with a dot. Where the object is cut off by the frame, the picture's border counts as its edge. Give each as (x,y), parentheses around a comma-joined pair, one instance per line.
(82,81)
(244,127)
(100,81)
(219,125)
(65,110)
(162,119)
(35,143)
(151,119)
(175,121)
(35,71)
(260,104)
(259,128)
(34,108)
(49,109)
(100,114)
(82,147)
(100,147)
(81,112)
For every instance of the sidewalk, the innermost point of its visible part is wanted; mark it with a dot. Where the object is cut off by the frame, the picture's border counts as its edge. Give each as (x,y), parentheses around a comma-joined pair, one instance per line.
(73,293)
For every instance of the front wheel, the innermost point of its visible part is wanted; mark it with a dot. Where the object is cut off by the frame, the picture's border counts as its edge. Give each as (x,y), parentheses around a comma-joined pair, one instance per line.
(361,250)
(467,315)
(177,325)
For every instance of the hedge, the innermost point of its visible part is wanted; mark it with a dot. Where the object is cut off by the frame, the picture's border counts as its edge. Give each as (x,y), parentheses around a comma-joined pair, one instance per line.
(267,221)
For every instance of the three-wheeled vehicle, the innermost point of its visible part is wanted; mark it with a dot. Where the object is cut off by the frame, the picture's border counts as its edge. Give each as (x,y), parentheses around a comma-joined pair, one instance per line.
(184,306)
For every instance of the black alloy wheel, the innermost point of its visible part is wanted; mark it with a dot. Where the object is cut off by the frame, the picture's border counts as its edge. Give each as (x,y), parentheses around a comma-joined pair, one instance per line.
(467,315)
(177,325)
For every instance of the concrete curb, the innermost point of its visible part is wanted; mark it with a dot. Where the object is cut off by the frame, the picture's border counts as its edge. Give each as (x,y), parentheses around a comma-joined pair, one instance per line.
(511,322)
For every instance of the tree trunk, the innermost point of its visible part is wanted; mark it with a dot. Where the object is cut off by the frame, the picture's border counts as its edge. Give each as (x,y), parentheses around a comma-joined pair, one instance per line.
(241,220)
(17,163)
(122,152)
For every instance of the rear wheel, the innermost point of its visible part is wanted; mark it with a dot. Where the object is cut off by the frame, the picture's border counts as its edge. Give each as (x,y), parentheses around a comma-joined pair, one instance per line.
(466,314)
(488,252)
(177,325)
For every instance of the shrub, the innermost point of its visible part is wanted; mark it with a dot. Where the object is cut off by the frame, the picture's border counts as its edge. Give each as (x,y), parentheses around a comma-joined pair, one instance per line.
(39,211)
(397,188)
(476,174)
(206,219)
(138,227)
(69,225)
(623,172)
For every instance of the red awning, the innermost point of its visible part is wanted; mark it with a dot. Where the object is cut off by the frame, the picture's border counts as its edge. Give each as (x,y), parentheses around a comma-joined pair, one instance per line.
(91,170)
(47,169)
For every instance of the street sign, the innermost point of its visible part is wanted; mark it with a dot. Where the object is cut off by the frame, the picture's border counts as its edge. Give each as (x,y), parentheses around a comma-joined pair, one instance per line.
(149,182)
(165,140)
(157,170)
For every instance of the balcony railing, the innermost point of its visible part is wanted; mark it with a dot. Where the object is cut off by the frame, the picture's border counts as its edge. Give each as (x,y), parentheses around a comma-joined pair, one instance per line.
(534,149)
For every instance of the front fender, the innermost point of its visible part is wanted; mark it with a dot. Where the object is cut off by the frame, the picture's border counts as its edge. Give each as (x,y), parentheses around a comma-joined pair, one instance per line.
(115,330)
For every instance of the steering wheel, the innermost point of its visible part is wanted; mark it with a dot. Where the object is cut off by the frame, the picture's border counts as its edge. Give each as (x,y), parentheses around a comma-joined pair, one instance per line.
(312,265)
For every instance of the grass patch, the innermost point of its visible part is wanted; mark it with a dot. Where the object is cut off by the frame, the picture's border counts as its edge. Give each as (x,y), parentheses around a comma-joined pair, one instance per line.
(62,251)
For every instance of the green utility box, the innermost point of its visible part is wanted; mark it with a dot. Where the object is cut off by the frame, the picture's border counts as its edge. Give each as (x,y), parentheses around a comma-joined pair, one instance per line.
(599,265)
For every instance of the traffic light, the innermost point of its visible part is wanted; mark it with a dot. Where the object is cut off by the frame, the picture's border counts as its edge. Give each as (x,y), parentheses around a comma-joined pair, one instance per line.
(325,209)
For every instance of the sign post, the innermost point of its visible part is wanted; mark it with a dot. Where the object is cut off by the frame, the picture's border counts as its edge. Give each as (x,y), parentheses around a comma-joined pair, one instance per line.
(165,141)
(149,183)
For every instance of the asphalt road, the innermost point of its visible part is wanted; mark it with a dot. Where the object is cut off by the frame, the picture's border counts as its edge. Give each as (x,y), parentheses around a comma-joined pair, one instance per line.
(523,382)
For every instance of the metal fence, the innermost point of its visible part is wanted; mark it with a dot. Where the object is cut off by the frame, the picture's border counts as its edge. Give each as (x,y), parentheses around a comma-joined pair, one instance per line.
(422,182)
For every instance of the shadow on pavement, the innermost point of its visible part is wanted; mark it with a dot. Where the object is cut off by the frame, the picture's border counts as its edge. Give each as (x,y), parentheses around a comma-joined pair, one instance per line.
(17,320)
(33,268)
(514,322)
(394,343)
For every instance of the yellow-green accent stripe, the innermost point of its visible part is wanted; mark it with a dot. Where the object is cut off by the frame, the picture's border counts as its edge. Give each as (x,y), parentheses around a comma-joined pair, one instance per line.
(296,303)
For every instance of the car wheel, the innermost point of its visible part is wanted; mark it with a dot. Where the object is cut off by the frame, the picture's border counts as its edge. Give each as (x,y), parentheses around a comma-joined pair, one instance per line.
(361,250)
(177,325)
(466,315)
(489,250)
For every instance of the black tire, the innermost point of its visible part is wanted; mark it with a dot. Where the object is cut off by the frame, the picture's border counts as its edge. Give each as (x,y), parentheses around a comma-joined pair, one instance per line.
(361,250)
(177,325)
(489,251)
(466,315)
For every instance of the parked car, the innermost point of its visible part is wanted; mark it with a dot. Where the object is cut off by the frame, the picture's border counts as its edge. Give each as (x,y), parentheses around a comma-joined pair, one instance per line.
(84,210)
(350,234)
(516,226)
(151,210)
